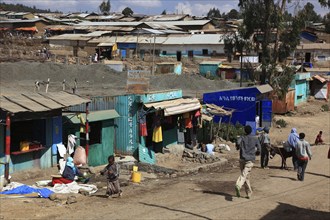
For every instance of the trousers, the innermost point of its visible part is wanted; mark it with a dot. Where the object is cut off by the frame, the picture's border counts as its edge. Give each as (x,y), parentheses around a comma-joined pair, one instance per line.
(113,187)
(244,178)
(302,164)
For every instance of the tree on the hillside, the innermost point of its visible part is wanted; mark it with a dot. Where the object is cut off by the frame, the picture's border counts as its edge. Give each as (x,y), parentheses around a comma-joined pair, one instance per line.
(105,7)
(325,3)
(326,22)
(308,13)
(273,36)
(214,13)
(233,14)
(164,12)
(127,11)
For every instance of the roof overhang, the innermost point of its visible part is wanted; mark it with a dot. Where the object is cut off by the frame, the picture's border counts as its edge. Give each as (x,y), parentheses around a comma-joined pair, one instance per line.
(38,102)
(264,88)
(176,106)
(93,116)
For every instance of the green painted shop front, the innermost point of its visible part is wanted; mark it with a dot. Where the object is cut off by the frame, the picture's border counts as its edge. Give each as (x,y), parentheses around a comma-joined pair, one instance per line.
(101,134)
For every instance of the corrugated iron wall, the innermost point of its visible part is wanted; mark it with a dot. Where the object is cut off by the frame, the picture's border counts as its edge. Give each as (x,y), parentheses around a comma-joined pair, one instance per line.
(126,125)
(284,106)
(97,103)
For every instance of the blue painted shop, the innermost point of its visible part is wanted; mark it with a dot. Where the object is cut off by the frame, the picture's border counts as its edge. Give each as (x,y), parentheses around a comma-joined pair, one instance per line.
(32,129)
(301,85)
(250,105)
(152,121)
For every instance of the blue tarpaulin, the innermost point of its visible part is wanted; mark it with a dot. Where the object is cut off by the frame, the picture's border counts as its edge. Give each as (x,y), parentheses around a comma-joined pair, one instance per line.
(24,189)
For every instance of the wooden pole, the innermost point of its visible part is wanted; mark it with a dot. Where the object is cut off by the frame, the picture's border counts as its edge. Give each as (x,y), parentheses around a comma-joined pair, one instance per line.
(87,134)
(7,150)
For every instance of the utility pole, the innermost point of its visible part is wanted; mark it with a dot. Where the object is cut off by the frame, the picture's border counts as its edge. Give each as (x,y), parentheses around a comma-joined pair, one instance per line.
(153,57)
(241,69)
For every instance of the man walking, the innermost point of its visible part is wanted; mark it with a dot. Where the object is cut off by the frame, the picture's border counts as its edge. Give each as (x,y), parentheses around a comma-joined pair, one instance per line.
(303,153)
(247,144)
(265,146)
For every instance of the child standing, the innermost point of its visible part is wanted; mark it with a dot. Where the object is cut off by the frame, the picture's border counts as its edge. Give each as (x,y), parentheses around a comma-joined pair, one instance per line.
(265,146)
(112,172)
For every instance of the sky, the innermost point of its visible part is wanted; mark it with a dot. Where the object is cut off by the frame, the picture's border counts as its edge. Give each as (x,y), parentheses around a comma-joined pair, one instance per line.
(150,7)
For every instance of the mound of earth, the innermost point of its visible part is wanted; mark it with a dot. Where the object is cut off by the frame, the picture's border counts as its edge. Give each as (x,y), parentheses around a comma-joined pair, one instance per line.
(97,79)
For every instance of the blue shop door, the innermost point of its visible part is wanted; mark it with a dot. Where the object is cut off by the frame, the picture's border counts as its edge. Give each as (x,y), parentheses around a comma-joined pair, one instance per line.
(266,113)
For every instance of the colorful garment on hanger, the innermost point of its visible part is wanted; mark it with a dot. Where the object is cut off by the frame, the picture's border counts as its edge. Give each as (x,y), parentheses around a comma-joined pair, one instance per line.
(143,130)
(157,135)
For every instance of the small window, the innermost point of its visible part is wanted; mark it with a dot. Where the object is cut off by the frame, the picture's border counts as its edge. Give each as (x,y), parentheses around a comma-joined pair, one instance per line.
(164,52)
(205,51)
(95,134)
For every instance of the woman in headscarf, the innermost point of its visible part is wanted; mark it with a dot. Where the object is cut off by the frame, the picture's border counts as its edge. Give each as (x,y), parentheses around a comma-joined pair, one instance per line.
(292,141)
(69,173)
(293,138)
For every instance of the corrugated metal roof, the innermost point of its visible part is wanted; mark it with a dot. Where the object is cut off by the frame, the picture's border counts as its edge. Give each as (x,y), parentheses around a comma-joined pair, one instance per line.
(70,37)
(88,23)
(210,62)
(176,106)
(105,44)
(314,46)
(38,102)
(195,39)
(60,27)
(163,26)
(324,69)
(164,18)
(264,88)
(97,33)
(20,21)
(94,116)
(181,23)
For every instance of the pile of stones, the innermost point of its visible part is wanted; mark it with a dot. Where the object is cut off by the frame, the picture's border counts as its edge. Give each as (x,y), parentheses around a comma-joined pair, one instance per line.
(197,156)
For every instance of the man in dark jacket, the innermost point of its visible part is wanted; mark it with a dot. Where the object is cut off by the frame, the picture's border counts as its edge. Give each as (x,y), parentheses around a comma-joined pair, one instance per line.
(248,146)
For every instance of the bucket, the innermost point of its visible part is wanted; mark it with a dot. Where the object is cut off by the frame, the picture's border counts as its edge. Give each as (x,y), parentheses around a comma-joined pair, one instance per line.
(135,168)
(136,177)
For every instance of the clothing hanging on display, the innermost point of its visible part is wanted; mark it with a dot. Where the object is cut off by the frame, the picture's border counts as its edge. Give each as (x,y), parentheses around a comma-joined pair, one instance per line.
(143,122)
(157,135)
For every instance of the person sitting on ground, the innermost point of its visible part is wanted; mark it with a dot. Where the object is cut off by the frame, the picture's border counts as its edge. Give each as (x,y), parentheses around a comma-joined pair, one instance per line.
(112,172)
(209,148)
(318,139)
(69,173)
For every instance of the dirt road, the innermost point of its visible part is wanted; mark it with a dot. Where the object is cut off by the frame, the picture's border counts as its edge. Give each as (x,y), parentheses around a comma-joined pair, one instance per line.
(277,195)
(209,195)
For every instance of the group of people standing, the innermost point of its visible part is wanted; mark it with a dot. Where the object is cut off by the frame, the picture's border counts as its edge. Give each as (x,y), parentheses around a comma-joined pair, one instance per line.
(250,145)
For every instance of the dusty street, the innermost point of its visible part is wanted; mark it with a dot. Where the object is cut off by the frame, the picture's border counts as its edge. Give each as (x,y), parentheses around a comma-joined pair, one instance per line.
(208,195)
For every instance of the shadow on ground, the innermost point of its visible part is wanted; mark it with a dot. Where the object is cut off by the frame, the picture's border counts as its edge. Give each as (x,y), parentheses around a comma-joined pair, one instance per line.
(222,188)
(287,211)
(176,210)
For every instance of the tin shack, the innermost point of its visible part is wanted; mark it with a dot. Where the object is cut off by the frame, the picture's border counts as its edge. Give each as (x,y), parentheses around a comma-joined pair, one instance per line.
(250,105)
(154,120)
(102,128)
(32,124)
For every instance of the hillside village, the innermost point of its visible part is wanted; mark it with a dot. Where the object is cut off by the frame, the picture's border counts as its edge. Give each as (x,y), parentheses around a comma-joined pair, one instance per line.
(92,85)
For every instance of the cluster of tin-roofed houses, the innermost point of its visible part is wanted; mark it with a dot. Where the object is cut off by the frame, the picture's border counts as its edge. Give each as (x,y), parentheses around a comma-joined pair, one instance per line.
(124,124)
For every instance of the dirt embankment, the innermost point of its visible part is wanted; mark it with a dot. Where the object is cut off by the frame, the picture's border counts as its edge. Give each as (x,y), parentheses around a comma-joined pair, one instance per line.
(97,79)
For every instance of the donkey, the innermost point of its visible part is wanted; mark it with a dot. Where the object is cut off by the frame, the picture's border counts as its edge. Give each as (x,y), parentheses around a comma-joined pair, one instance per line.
(282,152)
